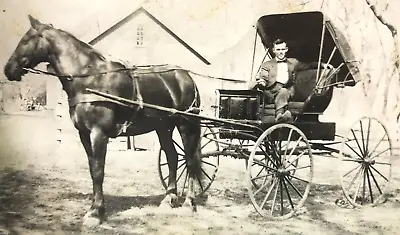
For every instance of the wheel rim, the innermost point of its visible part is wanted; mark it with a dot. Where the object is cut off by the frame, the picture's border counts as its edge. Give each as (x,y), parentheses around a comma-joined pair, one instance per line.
(280,193)
(209,168)
(365,162)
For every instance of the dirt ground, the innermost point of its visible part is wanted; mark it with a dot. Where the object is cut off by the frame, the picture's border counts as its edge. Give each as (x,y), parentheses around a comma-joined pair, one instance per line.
(46,190)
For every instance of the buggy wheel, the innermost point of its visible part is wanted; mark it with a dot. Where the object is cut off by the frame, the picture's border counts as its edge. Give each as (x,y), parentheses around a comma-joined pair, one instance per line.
(257,169)
(210,162)
(280,151)
(365,162)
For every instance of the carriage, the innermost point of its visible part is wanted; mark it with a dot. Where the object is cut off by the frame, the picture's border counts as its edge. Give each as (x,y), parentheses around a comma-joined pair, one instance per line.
(278,156)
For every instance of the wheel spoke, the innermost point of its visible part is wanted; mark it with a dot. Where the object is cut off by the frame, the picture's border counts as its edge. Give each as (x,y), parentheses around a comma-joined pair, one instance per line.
(358,187)
(260,163)
(179,146)
(204,145)
(180,175)
(274,199)
(369,185)
(380,141)
(383,163)
(183,163)
(297,143)
(296,158)
(275,153)
(299,168)
(368,133)
(355,177)
(354,151)
(200,183)
(294,187)
(265,154)
(268,193)
(352,170)
(358,144)
(264,185)
(373,168)
(166,177)
(205,173)
(210,164)
(364,183)
(261,170)
(165,163)
(287,192)
(381,153)
(375,181)
(288,140)
(297,178)
(362,137)
(281,192)
(262,176)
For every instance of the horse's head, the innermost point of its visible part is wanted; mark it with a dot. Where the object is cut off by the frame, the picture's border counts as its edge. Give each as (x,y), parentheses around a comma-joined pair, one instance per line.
(32,49)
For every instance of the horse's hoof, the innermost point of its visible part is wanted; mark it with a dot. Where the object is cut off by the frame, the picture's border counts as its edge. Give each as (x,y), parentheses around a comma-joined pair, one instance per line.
(189,204)
(168,201)
(89,220)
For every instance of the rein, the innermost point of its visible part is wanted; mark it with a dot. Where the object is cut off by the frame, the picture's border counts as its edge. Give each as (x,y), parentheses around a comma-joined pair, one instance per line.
(70,76)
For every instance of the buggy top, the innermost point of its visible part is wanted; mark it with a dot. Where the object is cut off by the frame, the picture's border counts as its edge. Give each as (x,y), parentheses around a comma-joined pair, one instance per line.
(311,37)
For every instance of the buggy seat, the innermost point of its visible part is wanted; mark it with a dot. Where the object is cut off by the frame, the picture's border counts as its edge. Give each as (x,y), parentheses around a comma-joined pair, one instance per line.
(304,86)
(248,106)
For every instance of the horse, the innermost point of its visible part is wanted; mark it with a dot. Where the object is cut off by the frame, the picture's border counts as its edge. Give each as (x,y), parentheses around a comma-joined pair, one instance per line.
(79,66)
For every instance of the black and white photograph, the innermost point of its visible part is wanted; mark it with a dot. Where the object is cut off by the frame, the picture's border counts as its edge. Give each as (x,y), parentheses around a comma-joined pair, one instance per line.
(181,117)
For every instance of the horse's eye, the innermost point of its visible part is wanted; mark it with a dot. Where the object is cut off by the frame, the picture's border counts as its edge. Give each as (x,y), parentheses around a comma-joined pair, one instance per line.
(24,60)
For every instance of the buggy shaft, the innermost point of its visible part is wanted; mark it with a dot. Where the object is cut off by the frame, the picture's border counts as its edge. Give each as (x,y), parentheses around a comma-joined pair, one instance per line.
(129,103)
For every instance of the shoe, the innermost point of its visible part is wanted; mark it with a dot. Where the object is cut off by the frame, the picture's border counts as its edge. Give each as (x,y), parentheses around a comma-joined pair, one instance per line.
(285,117)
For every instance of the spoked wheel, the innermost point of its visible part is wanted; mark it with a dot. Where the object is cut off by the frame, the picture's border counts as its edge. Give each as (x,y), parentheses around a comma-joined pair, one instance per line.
(279,152)
(257,169)
(365,162)
(210,162)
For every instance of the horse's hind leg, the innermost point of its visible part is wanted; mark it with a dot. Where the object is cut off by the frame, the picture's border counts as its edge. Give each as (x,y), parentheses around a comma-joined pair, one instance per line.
(167,145)
(190,133)
(95,144)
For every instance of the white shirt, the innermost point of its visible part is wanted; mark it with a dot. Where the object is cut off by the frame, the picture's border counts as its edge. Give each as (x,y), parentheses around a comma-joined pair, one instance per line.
(282,73)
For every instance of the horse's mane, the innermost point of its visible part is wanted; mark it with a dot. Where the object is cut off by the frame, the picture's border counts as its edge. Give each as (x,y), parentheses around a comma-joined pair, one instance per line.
(83,45)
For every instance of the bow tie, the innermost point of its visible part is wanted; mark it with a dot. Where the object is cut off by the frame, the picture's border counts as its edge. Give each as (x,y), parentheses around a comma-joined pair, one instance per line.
(281,61)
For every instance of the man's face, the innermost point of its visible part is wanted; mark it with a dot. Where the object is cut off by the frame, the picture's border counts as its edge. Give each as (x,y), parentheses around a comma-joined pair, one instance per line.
(280,50)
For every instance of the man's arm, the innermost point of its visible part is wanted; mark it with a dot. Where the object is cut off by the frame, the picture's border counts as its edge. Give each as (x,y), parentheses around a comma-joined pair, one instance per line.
(262,75)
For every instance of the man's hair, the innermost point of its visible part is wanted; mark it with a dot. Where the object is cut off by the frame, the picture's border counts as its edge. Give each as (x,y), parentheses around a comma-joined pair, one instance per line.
(278,41)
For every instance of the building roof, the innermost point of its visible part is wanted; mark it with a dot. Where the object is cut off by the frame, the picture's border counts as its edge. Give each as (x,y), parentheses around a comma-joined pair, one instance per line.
(131,16)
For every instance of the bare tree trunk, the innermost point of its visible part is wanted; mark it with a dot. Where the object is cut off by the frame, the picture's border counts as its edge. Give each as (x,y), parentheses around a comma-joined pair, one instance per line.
(396,60)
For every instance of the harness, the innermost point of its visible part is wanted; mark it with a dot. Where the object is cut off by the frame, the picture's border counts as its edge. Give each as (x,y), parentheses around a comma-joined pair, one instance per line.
(84,98)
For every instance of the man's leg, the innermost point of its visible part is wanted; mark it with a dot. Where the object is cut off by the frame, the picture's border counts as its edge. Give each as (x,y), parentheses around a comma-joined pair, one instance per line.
(281,102)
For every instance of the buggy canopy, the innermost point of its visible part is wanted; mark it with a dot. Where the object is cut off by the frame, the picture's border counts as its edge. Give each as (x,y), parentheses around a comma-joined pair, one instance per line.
(304,33)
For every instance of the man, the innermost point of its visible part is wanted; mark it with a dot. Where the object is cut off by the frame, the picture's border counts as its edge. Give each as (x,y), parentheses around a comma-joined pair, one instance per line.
(276,78)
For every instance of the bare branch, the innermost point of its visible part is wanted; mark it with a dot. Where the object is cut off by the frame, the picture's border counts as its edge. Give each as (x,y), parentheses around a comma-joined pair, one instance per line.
(322,4)
(392,29)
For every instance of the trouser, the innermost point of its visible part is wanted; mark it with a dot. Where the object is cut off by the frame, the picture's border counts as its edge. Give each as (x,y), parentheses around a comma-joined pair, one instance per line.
(280,95)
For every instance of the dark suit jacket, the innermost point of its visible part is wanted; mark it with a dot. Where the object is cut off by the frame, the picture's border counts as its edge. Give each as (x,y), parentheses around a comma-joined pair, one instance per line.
(268,71)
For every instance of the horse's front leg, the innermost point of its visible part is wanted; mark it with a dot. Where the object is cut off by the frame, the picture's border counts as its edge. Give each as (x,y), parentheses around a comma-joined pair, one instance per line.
(95,144)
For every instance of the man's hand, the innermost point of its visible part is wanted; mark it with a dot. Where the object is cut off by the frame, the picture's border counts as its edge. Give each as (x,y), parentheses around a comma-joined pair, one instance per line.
(328,66)
(261,82)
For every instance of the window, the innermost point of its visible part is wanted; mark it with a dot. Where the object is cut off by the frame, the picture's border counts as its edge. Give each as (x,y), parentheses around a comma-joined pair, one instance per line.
(139,35)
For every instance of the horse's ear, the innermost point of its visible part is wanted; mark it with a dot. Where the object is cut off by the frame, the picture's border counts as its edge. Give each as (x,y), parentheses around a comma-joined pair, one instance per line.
(34,22)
